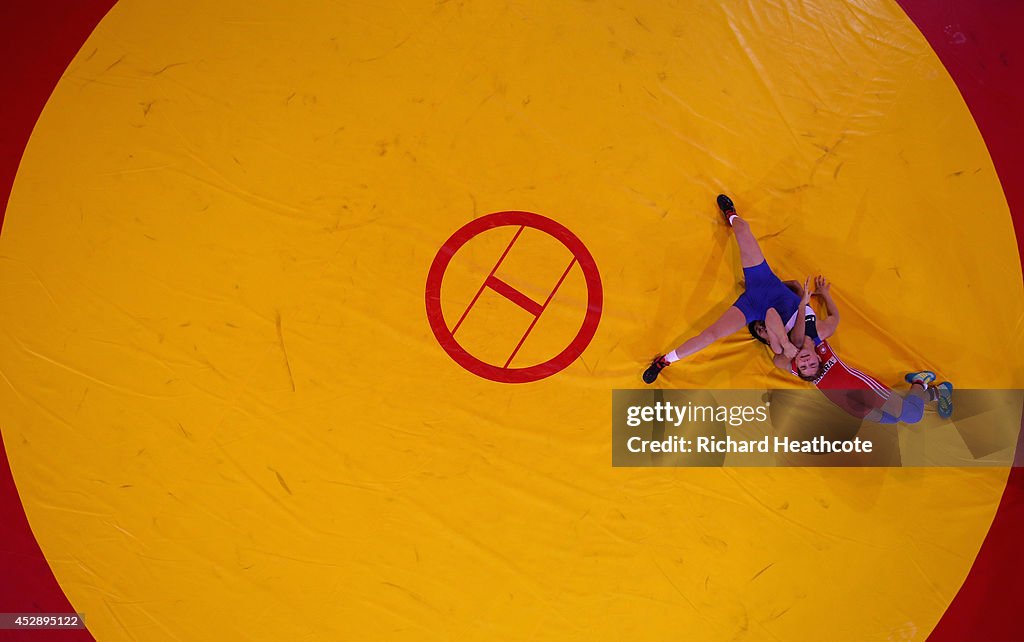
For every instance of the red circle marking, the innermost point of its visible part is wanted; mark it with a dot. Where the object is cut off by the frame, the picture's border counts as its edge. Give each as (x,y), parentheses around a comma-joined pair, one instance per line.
(444,334)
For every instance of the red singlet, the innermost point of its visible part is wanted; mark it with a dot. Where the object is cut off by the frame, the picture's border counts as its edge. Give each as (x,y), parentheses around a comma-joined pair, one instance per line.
(850,389)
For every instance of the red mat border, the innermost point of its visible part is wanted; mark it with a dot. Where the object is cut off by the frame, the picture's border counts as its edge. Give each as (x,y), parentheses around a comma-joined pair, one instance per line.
(978,42)
(38,38)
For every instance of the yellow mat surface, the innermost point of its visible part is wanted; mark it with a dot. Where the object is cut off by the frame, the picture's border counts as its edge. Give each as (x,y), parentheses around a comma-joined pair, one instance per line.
(228,416)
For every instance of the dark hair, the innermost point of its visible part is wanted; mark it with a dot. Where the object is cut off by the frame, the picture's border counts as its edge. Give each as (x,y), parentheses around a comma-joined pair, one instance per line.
(753,332)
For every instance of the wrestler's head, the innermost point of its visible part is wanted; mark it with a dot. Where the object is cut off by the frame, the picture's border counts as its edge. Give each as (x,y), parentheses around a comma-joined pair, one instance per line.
(807,364)
(758,331)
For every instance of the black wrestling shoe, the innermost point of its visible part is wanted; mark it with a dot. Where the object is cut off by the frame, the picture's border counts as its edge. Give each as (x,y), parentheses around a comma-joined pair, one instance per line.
(728,209)
(653,370)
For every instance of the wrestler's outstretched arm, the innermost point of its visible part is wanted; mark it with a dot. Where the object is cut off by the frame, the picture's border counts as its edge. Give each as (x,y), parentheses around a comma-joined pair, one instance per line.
(796,335)
(827,327)
(777,339)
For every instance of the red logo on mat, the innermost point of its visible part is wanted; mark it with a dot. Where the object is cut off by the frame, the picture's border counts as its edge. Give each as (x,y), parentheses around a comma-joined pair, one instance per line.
(504,374)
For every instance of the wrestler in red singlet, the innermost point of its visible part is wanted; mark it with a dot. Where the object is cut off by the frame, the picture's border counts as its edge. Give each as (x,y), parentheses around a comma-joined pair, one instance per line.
(852,390)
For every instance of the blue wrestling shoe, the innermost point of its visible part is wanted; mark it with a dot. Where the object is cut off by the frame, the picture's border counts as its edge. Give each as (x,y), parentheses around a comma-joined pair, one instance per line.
(728,209)
(924,377)
(945,399)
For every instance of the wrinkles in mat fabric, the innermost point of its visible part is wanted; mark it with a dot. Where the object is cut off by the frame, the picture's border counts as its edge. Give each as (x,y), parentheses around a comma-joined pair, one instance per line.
(223,394)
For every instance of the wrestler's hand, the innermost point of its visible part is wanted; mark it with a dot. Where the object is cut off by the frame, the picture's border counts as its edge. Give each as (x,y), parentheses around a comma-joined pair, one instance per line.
(807,292)
(789,350)
(821,286)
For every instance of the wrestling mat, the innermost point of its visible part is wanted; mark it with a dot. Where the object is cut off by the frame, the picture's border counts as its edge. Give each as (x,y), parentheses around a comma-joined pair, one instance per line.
(253,388)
